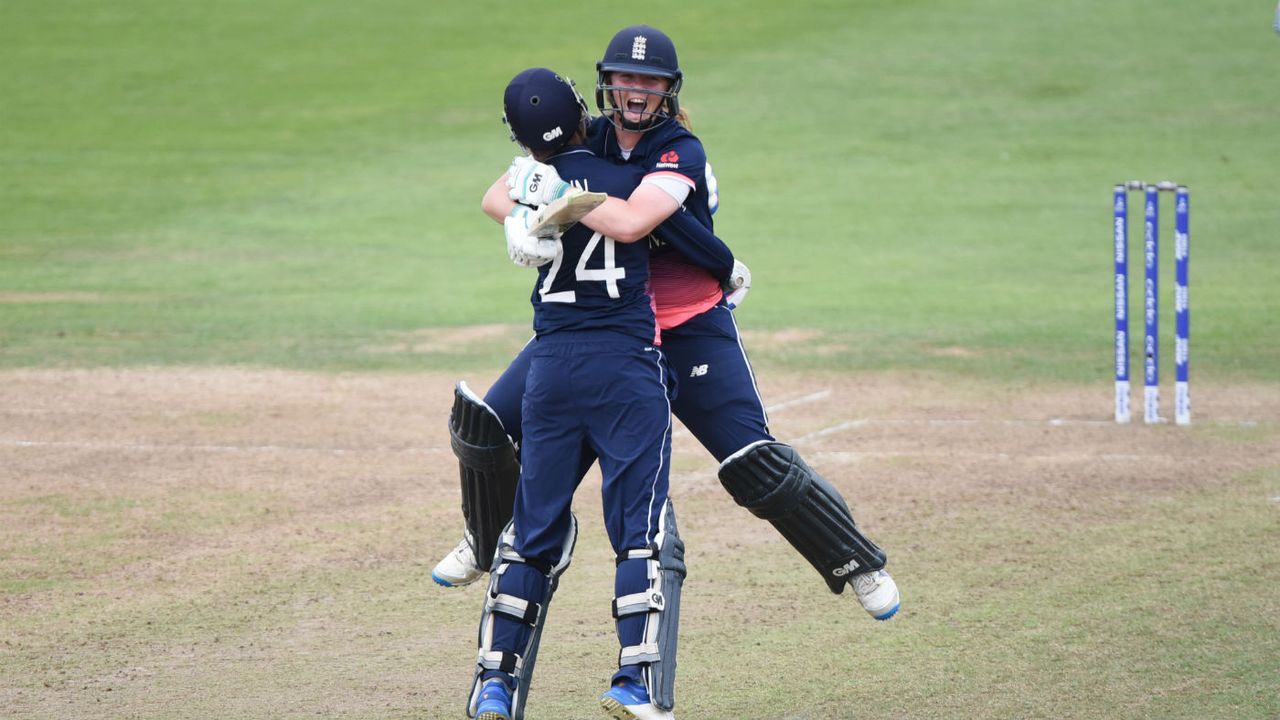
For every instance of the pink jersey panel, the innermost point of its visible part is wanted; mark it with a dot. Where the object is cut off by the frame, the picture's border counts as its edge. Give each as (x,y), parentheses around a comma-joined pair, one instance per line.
(680,290)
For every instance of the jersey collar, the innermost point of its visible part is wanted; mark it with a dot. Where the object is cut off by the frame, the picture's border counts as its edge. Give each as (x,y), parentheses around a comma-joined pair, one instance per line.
(571,150)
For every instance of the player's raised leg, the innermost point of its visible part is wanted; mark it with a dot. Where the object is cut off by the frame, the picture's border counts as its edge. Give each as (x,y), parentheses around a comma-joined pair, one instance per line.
(719,404)
(775,484)
(485,437)
(488,470)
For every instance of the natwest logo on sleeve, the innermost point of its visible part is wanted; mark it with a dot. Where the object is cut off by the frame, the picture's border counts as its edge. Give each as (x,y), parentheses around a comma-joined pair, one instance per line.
(669,159)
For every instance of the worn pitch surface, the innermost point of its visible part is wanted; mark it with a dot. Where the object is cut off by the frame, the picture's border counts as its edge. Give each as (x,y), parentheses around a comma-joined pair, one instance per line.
(257,543)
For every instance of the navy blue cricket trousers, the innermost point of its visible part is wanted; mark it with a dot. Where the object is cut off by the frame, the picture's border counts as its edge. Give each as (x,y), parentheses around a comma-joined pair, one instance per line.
(590,395)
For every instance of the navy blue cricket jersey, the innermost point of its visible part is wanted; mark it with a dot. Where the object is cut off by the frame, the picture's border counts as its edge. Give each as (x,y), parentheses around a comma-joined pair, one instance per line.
(596,283)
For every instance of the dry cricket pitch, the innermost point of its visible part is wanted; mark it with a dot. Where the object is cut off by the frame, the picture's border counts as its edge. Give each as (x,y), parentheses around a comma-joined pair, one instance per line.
(239,543)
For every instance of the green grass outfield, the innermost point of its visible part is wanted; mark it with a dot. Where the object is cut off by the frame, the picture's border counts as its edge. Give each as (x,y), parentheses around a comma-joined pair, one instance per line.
(297,183)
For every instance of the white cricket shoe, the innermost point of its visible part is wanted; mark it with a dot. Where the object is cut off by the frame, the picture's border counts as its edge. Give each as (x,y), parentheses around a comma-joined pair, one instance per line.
(627,701)
(459,567)
(878,593)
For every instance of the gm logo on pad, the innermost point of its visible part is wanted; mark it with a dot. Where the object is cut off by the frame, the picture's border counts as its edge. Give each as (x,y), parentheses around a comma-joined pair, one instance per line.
(846,569)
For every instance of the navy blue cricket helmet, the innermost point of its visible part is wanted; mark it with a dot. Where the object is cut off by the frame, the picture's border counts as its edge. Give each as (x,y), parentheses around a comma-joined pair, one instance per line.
(642,50)
(542,109)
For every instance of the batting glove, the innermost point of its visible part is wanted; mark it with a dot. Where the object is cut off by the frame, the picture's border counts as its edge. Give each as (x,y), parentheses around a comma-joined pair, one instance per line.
(737,284)
(534,183)
(524,249)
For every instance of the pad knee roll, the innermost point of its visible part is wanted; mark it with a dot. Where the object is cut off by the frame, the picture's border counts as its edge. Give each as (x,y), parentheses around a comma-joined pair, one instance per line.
(775,484)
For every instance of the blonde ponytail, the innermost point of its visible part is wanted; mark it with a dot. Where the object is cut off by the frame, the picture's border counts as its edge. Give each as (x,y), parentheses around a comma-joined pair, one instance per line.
(682,117)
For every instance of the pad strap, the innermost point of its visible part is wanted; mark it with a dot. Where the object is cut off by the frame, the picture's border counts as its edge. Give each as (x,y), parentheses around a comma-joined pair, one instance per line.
(639,654)
(515,608)
(634,554)
(507,662)
(641,602)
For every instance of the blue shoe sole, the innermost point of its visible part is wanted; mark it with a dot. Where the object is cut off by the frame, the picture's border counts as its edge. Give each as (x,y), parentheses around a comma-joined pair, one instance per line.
(445,583)
(892,611)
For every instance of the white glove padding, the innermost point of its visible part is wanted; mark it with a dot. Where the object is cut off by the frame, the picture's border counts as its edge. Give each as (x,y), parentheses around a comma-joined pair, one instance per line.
(737,284)
(534,183)
(524,249)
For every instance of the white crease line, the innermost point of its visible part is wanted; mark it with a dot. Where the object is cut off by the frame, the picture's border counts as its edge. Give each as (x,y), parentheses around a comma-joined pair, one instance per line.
(811,397)
(849,456)
(829,431)
(784,405)
(969,422)
(144,447)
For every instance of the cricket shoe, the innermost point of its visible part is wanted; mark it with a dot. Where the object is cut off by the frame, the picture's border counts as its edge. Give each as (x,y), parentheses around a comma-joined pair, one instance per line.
(628,701)
(495,701)
(459,567)
(878,593)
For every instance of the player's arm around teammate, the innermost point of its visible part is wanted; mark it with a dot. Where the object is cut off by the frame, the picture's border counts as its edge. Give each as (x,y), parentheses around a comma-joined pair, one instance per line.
(623,219)
(649,209)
